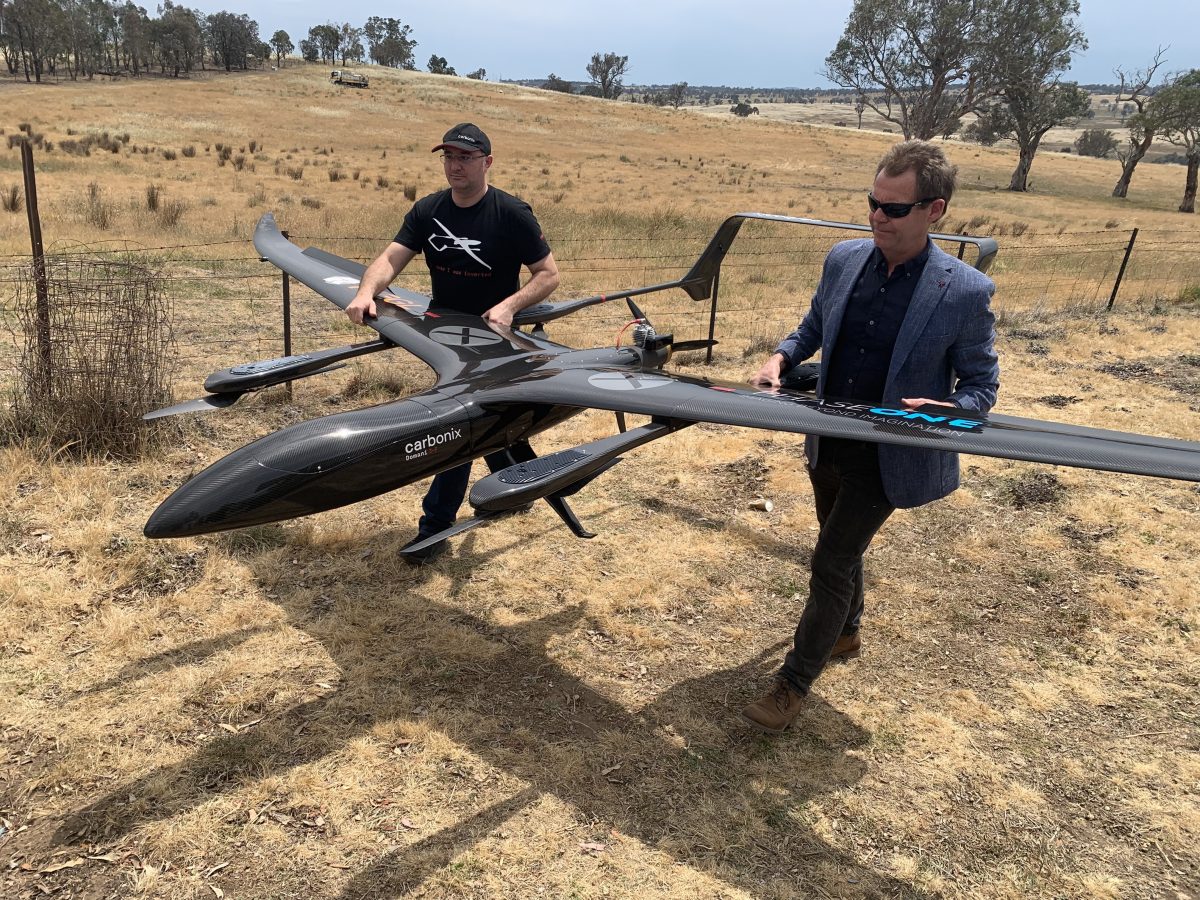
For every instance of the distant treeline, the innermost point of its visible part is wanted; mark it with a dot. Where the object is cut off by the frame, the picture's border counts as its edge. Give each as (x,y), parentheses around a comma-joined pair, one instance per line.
(85,38)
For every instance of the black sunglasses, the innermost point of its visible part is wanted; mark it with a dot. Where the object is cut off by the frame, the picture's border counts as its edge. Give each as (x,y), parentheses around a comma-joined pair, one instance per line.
(896,210)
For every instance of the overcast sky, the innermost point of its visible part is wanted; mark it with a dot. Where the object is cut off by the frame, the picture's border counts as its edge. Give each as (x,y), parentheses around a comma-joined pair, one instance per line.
(769,43)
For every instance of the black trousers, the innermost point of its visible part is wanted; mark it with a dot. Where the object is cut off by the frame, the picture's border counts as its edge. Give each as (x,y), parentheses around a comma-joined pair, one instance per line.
(851,508)
(448,489)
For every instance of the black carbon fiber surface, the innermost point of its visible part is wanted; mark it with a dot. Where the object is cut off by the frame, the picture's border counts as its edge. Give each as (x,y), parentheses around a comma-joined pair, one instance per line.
(671,396)
(540,468)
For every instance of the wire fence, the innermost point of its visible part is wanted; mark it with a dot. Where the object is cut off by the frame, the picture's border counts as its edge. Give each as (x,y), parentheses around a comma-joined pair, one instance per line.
(228,302)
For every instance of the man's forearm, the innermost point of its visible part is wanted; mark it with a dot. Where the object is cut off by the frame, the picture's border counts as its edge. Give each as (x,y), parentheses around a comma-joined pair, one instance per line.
(535,290)
(377,277)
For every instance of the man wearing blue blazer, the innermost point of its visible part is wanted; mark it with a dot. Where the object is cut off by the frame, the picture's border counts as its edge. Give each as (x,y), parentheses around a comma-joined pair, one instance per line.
(899,322)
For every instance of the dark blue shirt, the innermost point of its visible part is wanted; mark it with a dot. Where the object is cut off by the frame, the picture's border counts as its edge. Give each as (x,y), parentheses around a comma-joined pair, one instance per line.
(876,309)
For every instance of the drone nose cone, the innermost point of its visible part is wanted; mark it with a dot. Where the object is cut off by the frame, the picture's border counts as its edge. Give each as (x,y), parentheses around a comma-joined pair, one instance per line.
(166,522)
(227,495)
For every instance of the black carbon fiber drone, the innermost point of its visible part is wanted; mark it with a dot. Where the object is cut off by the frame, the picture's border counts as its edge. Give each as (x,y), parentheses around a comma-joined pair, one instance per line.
(496,389)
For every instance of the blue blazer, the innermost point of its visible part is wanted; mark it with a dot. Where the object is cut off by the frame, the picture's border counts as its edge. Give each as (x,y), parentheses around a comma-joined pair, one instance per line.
(944,351)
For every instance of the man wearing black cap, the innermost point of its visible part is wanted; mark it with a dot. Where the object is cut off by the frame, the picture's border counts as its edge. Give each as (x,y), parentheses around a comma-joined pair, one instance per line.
(475,238)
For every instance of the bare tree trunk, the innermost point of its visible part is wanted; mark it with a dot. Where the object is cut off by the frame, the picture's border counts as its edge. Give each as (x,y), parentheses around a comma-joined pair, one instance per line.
(1020,176)
(1189,188)
(1136,152)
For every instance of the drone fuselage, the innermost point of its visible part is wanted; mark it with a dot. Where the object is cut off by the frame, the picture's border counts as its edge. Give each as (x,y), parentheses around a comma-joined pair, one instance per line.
(351,456)
(340,459)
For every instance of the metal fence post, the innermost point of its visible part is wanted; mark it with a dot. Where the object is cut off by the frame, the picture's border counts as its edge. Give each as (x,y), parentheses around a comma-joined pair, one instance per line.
(1112,298)
(712,317)
(287,318)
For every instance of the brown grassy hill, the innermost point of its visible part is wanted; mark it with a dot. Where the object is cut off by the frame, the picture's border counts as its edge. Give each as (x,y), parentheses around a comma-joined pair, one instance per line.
(291,711)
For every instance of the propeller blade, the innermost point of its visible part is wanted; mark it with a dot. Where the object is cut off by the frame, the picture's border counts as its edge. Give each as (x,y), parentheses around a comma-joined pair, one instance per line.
(685,346)
(637,313)
(200,404)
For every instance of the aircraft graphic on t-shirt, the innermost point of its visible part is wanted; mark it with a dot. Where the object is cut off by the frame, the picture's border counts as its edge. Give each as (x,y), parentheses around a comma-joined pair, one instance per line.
(440,243)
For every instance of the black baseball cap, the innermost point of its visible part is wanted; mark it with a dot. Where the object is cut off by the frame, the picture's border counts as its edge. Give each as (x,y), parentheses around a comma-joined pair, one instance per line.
(465,136)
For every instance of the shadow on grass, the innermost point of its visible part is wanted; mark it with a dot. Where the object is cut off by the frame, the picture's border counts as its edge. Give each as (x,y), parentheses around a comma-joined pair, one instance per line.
(693,769)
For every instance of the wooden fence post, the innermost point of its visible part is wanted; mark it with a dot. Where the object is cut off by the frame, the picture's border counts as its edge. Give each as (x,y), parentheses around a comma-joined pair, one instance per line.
(42,287)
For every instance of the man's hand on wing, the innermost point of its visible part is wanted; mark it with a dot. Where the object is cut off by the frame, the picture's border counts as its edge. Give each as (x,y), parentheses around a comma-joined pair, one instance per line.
(918,402)
(770,372)
(359,308)
(500,315)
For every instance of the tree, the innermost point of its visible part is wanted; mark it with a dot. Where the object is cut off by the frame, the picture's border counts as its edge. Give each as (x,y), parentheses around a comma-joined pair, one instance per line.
(35,28)
(607,71)
(743,109)
(438,66)
(920,64)
(1179,109)
(1097,142)
(327,39)
(177,38)
(478,75)
(232,38)
(676,94)
(350,43)
(1034,47)
(282,44)
(1142,127)
(389,42)
(136,35)
(554,83)
(309,51)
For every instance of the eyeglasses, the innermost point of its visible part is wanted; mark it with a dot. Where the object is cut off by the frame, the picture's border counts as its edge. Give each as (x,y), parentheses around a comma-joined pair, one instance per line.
(452,158)
(896,210)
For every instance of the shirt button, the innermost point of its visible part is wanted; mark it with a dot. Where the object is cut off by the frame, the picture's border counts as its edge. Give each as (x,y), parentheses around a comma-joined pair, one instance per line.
(861,350)
(872,322)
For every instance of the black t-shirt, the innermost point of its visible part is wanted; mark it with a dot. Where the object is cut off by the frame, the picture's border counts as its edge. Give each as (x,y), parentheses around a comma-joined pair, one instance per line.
(474,253)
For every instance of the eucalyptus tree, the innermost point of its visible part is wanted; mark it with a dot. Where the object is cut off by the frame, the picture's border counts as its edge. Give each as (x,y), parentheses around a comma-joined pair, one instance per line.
(350,44)
(88,26)
(232,38)
(1179,107)
(177,39)
(920,64)
(607,71)
(1142,125)
(134,38)
(35,31)
(281,44)
(1034,45)
(390,43)
(327,38)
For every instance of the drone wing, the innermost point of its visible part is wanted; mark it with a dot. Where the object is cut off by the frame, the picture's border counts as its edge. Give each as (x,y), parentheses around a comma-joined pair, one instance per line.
(678,399)
(450,343)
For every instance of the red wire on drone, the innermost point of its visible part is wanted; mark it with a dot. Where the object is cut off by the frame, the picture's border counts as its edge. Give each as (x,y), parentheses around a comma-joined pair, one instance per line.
(622,331)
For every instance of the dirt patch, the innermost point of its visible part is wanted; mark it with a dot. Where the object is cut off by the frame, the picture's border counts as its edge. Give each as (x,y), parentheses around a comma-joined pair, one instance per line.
(1057,401)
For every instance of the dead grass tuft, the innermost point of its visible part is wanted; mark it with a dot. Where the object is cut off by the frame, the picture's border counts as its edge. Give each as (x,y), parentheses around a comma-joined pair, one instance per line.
(11,199)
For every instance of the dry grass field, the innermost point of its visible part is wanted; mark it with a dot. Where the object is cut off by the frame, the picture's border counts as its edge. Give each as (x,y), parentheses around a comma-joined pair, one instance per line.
(291,711)
(1106,114)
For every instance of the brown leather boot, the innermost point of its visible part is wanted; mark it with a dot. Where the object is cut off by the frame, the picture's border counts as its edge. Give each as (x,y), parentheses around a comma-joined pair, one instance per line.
(848,646)
(776,711)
